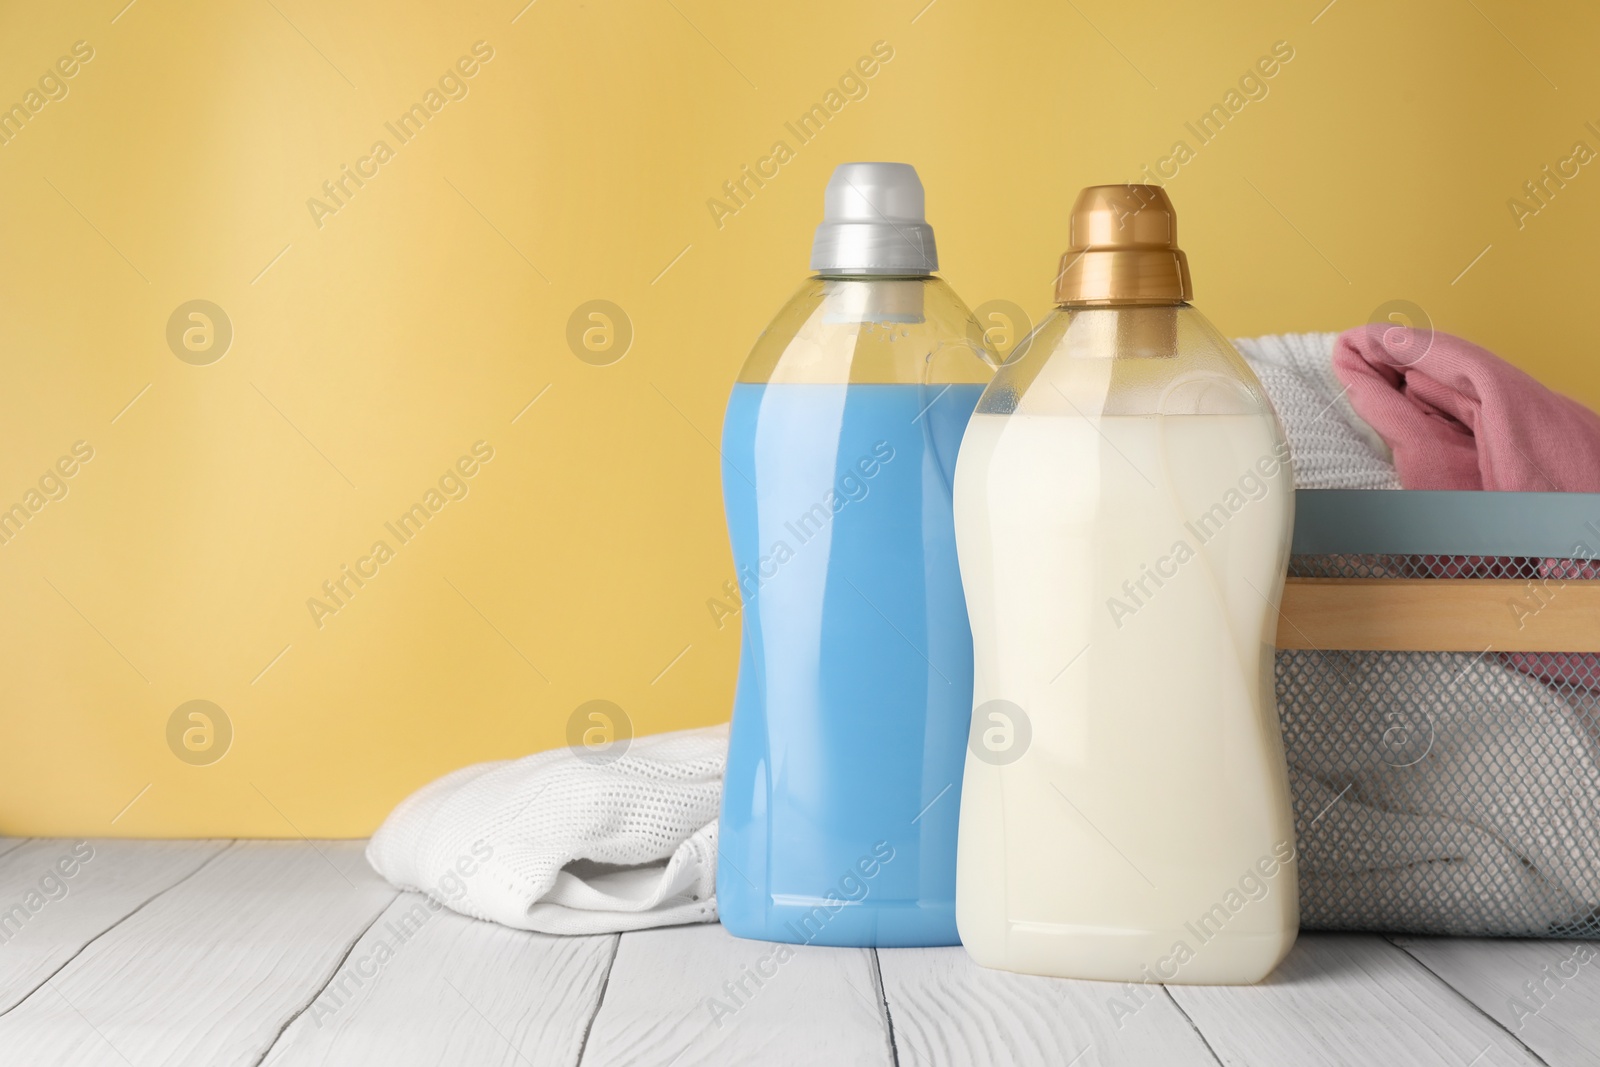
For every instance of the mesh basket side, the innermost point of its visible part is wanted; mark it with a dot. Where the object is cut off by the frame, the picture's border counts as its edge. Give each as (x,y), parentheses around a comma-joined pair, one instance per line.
(1444,793)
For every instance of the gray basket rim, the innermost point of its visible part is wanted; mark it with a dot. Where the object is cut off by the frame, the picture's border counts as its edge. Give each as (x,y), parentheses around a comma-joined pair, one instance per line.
(1447,523)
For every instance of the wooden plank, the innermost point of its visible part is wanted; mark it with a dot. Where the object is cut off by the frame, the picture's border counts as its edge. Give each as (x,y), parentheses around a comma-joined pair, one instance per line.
(427,986)
(947,1010)
(1440,615)
(698,995)
(208,972)
(1545,992)
(48,915)
(1340,999)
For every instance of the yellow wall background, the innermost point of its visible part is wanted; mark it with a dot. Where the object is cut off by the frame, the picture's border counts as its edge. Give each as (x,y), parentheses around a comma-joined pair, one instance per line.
(371,351)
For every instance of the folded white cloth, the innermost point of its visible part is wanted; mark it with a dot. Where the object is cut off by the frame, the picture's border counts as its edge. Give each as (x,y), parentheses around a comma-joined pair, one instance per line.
(565,843)
(1446,794)
(1331,445)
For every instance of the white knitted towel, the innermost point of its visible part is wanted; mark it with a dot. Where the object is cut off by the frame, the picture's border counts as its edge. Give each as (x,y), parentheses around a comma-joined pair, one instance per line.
(1331,445)
(1482,827)
(566,843)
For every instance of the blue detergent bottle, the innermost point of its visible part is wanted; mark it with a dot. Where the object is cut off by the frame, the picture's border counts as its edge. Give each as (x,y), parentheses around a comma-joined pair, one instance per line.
(843,784)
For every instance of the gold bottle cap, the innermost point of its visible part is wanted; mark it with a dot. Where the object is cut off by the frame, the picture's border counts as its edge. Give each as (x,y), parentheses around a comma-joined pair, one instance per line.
(1124,250)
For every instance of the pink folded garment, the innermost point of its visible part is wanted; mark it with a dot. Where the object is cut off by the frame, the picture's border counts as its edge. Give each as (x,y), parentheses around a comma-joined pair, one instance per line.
(1459,417)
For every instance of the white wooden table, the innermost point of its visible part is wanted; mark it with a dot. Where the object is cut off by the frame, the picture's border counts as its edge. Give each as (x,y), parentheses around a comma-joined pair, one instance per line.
(216,953)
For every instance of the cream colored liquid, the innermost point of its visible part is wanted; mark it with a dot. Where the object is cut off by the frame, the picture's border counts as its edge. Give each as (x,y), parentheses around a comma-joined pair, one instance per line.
(1152,792)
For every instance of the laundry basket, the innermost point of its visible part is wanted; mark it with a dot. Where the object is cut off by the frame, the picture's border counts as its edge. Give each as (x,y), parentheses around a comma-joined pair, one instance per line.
(1438,684)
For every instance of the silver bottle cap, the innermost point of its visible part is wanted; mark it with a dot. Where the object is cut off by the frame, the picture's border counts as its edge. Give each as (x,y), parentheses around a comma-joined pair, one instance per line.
(873,222)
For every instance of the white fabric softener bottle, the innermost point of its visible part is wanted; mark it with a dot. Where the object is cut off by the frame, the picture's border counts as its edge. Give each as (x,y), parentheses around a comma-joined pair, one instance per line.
(1123,510)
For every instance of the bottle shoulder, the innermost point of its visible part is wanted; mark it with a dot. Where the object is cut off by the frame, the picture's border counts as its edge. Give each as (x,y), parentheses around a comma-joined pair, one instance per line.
(871,331)
(1134,361)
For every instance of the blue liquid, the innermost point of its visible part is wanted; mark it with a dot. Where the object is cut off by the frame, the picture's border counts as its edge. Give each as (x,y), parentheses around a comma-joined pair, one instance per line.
(843,783)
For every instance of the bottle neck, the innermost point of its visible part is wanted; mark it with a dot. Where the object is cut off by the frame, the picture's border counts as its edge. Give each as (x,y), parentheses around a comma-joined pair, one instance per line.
(1118,305)
(874,276)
